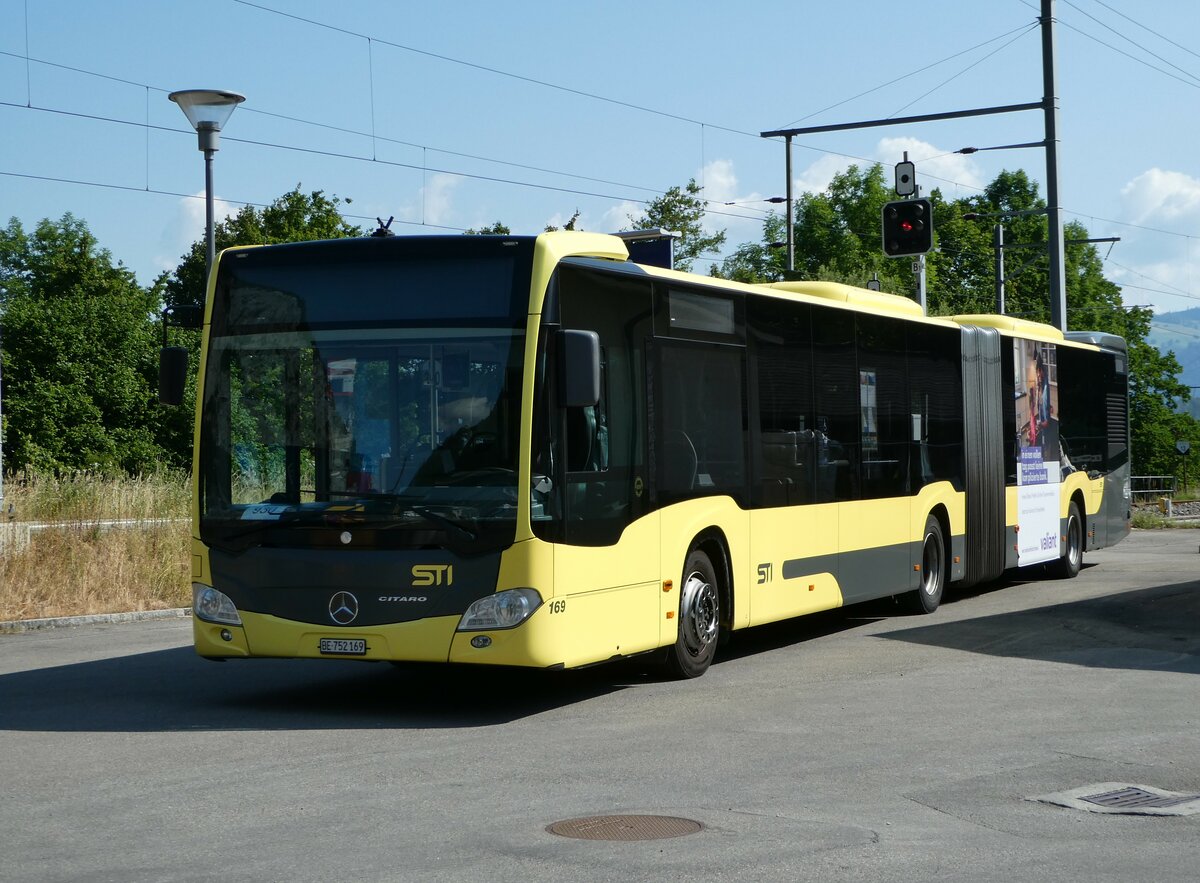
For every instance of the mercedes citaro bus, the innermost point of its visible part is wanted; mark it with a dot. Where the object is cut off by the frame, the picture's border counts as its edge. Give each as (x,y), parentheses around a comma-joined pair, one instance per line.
(533,451)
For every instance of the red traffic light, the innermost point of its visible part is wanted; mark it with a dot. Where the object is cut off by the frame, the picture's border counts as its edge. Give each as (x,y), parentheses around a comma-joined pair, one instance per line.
(907,227)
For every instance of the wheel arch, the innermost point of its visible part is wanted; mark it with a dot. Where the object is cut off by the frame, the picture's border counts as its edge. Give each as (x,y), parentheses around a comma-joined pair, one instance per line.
(713,543)
(942,514)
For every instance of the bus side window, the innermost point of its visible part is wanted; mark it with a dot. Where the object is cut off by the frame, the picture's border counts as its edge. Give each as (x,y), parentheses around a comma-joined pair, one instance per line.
(599,451)
(786,440)
(838,427)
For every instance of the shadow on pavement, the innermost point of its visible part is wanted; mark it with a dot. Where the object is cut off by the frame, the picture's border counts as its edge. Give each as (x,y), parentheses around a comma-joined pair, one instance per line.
(170,690)
(1154,629)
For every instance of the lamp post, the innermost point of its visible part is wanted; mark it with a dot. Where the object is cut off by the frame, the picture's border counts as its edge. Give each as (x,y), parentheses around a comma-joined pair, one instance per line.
(207,110)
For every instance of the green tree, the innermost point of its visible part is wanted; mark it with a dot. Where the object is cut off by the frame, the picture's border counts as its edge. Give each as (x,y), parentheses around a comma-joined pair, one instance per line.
(681,209)
(836,238)
(80,351)
(496,228)
(757,262)
(293,217)
(570,225)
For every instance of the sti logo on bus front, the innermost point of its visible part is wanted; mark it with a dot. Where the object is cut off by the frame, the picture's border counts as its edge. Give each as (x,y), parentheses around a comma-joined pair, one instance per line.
(433,574)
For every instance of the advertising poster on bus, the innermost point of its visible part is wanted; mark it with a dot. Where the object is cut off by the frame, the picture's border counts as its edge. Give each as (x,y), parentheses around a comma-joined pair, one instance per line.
(1038,457)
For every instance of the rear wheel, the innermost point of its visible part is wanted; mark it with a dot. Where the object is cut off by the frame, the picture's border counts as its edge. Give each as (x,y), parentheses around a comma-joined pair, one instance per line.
(1067,567)
(699,618)
(933,571)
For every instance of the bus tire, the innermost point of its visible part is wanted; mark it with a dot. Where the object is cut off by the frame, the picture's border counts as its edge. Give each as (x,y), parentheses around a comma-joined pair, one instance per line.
(1067,567)
(699,618)
(927,597)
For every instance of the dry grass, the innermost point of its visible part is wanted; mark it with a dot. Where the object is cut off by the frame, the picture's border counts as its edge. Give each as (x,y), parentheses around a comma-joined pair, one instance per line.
(85,497)
(80,566)
(72,571)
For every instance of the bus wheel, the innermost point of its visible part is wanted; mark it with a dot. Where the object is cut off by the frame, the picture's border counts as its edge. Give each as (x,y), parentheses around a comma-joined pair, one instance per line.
(1068,565)
(933,571)
(699,619)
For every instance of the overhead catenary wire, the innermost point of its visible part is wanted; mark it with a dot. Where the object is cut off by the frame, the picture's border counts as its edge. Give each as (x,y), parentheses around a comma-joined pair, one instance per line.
(374,137)
(1148,29)
(1028,30)
(499,72)
(251,109)
(383,162)
(1142,61)
(903,77)
(131,189)
(702,124)
(424,166)
(1129,39)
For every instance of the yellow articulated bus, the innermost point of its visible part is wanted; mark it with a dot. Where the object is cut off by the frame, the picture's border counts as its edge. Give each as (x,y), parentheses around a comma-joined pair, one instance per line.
(532,451)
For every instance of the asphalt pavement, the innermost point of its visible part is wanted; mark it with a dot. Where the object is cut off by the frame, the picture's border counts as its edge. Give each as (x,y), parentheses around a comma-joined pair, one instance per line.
(857,745)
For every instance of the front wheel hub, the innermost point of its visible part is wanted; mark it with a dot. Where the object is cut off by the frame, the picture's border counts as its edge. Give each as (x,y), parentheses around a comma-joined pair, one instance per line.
(699,612)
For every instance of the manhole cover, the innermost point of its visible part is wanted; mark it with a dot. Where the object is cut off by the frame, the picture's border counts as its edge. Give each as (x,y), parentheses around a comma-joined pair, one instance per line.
(625,827)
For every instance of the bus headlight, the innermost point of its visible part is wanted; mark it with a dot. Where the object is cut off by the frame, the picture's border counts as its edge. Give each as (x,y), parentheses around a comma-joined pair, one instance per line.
(213,606)
(503,610)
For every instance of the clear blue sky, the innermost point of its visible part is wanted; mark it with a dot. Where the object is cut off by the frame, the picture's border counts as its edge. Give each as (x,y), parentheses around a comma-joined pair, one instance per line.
(453,115)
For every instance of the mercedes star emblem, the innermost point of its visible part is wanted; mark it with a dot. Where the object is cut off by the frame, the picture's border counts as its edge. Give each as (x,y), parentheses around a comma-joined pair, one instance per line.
(343,608)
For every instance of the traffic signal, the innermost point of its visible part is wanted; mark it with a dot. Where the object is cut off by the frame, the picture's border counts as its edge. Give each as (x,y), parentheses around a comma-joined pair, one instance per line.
(907,227)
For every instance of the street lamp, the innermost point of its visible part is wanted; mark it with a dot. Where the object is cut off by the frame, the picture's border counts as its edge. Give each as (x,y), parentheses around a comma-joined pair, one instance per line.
(207,110)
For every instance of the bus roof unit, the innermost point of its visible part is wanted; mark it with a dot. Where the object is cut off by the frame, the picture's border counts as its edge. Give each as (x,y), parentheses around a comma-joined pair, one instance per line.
(862,298)
(1011,325)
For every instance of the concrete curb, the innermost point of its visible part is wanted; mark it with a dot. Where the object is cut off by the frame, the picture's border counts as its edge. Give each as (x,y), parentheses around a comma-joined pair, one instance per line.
(14,627)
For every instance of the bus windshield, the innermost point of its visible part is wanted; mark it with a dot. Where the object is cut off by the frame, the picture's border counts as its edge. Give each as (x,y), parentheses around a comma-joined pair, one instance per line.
(345,395)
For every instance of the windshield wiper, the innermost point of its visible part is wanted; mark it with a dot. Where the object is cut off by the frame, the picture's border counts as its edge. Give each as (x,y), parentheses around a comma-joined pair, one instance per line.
(444,522)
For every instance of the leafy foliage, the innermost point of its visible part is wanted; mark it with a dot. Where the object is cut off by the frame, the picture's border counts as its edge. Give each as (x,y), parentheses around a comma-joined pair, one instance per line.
(80,353)
(681,209)
(293,217)
(496,228)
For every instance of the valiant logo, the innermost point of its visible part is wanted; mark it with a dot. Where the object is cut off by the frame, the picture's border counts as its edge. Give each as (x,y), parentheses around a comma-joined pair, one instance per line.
(400,599)
(433,574)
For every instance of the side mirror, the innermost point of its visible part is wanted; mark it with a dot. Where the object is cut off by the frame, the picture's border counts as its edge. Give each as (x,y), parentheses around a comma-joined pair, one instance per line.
(173,360)
(172,374)
(579,368)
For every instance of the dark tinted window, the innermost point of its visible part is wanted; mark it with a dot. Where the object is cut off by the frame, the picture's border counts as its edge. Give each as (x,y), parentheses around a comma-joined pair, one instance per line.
(935,401)
(1093,424)
(374,283)
(837,425)
(699,399)
(781,336)
(883,406)
(596,456)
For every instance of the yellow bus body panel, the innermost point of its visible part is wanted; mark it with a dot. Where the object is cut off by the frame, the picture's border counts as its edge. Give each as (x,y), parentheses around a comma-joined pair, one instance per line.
(599,602)
(426,640)
(786,533)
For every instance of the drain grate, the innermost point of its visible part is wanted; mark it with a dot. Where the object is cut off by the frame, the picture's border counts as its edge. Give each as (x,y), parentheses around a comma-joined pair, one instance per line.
(1123,797)
(625,827)
(1134,798)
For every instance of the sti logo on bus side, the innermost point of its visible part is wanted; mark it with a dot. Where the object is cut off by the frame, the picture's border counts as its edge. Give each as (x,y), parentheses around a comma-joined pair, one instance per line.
(433,574)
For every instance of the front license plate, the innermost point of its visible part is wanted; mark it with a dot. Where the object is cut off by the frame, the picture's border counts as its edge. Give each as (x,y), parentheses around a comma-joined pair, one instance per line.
(344,646)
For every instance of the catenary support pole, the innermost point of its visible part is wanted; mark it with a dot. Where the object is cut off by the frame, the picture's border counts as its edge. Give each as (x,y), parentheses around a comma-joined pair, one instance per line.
(1054,213)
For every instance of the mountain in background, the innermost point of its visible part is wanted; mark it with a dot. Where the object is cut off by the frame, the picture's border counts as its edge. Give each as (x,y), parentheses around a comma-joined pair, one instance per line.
(1180,333)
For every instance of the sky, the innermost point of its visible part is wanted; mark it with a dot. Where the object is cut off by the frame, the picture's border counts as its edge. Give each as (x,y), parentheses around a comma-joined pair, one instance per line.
(448,116)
